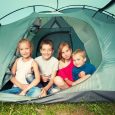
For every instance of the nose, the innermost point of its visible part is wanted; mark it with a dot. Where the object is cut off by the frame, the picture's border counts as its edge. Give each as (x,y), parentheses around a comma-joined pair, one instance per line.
(46,51)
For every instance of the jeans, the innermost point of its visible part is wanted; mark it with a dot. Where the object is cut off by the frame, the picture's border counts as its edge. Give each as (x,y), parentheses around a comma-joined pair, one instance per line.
(33,92)
(42,84)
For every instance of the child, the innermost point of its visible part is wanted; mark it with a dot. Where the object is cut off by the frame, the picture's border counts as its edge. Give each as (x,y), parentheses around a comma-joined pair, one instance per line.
(64,75)
(21,68)
(48,66)
(81,68)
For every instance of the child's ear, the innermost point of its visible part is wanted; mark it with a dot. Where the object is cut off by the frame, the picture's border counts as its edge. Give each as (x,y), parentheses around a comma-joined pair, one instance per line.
(52,51)
(71,51)
(40,50)
(85,59)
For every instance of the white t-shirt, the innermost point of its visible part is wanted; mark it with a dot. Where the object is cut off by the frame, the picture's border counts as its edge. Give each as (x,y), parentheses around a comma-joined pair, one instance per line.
(46,67)
(23,69)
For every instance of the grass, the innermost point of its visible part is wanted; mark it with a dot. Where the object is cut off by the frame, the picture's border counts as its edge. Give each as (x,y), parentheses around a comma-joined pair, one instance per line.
(58,109)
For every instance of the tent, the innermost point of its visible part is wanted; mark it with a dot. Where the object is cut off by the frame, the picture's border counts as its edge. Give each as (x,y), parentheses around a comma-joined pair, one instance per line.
(89,25)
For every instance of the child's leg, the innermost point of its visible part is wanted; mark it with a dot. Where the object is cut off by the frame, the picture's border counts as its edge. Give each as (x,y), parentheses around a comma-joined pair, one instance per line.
(34,92)
(53,89)
(13,90)
(30,78)
(60,82)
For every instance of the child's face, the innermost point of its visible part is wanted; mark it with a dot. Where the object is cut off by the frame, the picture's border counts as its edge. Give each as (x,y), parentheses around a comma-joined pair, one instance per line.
(66,53)
(25,49)
(78,60)
(46,51)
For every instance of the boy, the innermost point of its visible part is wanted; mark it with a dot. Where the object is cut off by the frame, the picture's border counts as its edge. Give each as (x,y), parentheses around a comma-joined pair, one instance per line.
(81,69)
(48,65)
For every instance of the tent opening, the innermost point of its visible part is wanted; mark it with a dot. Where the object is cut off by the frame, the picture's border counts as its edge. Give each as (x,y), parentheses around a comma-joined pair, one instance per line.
(60,29)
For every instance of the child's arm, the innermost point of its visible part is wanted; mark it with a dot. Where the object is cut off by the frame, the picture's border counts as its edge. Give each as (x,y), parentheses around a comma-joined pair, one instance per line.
(81,74)
(53,74)
(69,82)
(35,81)
(81,79)
(51,81)
(89,69)
(13,79)
(45,89)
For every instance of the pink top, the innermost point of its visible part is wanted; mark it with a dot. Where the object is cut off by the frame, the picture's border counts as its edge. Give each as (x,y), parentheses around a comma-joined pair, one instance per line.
(66,72)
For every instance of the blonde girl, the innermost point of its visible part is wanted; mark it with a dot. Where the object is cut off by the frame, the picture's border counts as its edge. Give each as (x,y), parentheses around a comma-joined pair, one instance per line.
(24,66)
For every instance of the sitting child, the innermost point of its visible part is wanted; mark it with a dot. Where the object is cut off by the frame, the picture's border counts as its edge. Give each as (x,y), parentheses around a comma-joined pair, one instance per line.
(64,79)
(48,66)
(81,69)
(24,66)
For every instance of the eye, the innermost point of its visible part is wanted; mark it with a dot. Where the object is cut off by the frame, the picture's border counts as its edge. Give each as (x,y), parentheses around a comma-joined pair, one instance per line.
(78,59)
(43,49)
(21,49)
(49,50)
(67,50)
(27,48)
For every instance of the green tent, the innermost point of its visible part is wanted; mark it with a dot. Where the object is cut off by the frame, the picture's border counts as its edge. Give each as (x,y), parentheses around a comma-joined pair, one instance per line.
(89,25)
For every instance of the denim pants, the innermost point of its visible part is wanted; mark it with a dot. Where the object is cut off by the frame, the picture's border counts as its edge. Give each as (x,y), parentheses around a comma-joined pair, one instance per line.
(33,92)
(42,84)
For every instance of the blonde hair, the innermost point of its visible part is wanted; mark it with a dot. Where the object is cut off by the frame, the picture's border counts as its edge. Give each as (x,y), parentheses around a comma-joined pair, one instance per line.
(81,52)
(63,44)
(25,40)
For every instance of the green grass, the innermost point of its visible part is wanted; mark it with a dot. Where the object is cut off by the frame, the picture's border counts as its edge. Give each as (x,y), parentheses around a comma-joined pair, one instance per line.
(58,109)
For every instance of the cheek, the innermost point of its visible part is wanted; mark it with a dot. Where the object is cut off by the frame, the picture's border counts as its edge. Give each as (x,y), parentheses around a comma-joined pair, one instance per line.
(29,51)
(69,53)
(42,51)
(50,52)
(21,51)
(78,63)
(81,63)
(75,63)
(63,54)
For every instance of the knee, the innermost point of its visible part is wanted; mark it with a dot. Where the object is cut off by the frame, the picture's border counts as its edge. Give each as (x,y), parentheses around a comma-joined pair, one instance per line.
(58,81)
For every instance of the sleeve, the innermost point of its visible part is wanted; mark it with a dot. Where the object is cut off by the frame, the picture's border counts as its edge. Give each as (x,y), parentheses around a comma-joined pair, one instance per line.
(90,69)
(55,67)
(75,74)
(36,59)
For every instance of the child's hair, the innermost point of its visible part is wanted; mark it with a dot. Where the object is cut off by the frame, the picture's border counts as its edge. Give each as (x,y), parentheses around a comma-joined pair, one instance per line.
(46,41)
(63,44)
(27,41)
(81,52)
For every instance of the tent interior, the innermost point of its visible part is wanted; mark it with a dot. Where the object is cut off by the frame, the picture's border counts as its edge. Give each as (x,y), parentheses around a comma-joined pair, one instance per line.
(83,28)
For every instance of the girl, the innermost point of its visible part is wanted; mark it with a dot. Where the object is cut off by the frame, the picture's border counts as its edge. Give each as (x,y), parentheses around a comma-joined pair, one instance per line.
(24,66)
(64,75)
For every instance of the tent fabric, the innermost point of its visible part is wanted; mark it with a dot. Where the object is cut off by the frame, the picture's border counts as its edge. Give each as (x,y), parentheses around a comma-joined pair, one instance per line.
(14,32)
(55,29)
(96,35)
(8,6)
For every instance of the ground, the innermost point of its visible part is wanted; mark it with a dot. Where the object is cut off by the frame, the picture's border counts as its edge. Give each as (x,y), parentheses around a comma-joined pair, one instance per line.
(58,109)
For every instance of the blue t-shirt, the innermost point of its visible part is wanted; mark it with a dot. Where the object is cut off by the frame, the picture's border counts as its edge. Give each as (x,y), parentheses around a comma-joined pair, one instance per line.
(87,68)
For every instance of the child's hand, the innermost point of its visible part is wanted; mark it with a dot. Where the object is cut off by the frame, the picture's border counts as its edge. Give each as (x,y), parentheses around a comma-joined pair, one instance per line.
(24,86)
(74,83)
(22,93)
(43,93)
(82,74)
